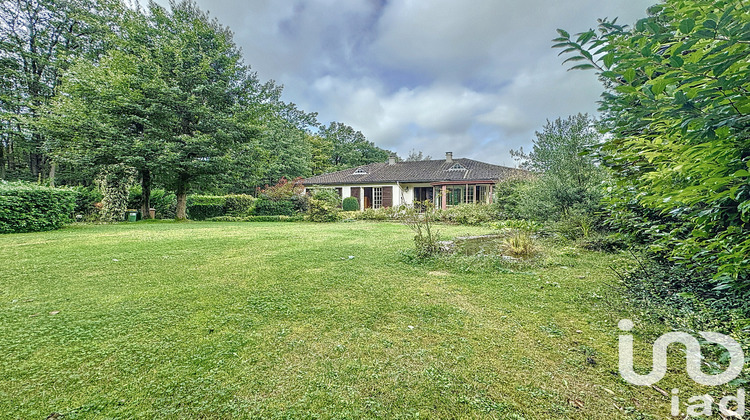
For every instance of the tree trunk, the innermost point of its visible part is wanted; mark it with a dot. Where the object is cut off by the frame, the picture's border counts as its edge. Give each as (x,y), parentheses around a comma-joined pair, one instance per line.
(2,160)
(52,169)
(35,164)
(146,194)
(182,187)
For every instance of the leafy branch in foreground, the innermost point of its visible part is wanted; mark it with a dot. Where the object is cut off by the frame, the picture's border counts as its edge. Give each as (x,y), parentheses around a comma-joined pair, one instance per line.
(677,107)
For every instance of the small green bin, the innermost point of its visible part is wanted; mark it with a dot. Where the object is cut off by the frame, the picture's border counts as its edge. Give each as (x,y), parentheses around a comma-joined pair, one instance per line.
(132,216)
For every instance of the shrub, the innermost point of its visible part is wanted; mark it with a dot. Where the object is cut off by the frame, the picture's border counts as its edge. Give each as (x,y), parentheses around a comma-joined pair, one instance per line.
(284,189)
(239,205)
(323,210)
(683,299)
(383,213)
(468,214)
(267,207)
(350,204)
(575,225)
(86,201)
(328,195)
(32,208)
(509,194)
(604,242)
(114,182)
(426,238)
(257,219)
(518,224)
(301,203)
(164,202)
(201,207)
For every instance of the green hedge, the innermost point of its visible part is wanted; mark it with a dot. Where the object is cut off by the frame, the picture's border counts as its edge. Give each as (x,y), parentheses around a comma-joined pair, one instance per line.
(165,202)
(257,219)
(239,205)
(201,207)
(267,207)
(32,208)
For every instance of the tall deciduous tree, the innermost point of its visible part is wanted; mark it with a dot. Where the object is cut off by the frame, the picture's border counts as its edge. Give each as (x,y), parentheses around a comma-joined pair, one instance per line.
(677,107)
(350,147)
(569,176)
(38,41)
(168,99)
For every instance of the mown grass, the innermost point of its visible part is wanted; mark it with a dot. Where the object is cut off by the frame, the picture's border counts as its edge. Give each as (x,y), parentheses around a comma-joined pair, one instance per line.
(275,320)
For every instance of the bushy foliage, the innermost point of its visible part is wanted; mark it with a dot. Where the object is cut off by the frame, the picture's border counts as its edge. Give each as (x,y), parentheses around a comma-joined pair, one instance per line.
(518,224)
(162,201)
(257,219)
(87,199)
(350,204)
(328,195)
(676,107)
(682,298)
(284,189)
(201,207)
(114,183)
(267,207)
(239,205)
(565,177)
(383,213)
(31,208)
(324,206)
(467,214)
(509,197)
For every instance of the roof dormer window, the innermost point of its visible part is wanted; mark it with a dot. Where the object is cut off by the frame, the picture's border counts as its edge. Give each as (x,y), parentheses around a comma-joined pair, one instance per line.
(457,167)
(359,171)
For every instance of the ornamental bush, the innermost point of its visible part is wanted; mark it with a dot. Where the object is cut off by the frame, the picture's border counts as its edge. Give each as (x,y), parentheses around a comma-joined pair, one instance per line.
(323,211)
(350,204)
(32,208)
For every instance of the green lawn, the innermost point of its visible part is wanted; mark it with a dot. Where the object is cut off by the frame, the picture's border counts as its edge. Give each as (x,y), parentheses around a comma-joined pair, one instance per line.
(274,320)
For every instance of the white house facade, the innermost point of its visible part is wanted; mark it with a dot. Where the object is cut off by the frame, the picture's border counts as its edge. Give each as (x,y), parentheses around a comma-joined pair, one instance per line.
(446,182)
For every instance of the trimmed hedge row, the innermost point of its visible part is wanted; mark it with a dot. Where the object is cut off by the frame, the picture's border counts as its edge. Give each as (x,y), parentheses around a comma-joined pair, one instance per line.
(33,208)
(257,219)
(202,207)
(266,207)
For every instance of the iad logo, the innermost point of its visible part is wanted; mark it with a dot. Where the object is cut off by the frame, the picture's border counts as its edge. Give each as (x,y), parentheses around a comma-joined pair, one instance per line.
(693,367)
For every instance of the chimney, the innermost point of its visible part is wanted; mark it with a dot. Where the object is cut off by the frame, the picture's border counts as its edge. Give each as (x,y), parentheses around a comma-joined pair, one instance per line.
(449,157)
(392,159)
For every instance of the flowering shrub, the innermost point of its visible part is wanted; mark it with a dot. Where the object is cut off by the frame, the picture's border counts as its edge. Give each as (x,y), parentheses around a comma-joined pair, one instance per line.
(284,189)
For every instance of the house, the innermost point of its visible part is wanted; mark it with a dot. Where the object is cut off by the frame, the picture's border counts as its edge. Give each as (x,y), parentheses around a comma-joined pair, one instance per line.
(394,183)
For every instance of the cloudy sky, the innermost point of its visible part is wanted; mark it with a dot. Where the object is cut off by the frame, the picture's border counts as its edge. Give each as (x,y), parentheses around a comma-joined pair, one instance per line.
(474,77)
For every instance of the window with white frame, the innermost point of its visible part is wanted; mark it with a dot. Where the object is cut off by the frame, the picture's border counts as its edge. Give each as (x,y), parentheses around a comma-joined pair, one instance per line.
(377,197)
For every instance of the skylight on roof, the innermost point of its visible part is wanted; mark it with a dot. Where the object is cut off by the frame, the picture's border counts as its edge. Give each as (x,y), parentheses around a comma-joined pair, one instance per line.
(359,171)
(457,167)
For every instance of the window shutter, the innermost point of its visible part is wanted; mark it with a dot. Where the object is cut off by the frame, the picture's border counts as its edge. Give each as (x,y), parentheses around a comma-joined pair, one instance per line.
(387,196)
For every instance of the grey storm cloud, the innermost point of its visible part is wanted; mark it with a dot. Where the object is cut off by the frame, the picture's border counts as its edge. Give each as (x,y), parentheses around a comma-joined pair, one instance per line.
(476,78)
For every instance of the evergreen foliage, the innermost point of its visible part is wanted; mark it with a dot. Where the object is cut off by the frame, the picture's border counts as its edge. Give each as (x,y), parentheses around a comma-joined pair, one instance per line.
(27,207)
